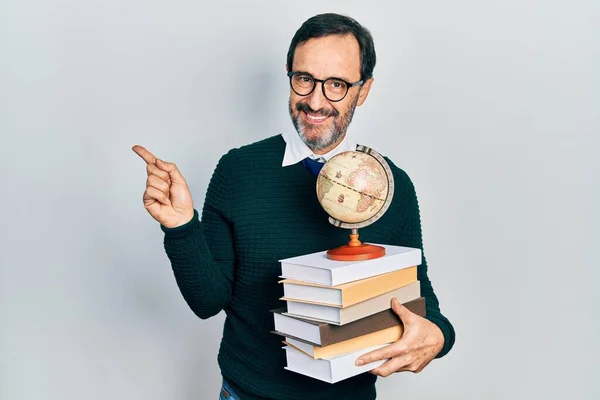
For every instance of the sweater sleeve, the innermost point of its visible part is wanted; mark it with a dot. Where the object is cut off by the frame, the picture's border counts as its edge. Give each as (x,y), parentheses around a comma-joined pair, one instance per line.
(201,251)
(408,233)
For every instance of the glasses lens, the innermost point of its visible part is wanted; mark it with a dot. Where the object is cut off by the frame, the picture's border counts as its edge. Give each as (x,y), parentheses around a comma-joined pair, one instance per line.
(335,89)
(302,84)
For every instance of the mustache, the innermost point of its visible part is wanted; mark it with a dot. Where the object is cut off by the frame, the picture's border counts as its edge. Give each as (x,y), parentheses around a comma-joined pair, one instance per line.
(326,113)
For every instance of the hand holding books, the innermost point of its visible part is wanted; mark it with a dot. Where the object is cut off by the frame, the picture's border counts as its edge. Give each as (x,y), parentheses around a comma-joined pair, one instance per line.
(421,342)
(338,311)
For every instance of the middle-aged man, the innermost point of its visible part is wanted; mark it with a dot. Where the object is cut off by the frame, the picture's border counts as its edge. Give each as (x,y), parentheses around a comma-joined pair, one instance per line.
(261,207)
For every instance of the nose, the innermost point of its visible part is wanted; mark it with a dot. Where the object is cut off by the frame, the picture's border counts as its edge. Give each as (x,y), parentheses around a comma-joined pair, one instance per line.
(316,100)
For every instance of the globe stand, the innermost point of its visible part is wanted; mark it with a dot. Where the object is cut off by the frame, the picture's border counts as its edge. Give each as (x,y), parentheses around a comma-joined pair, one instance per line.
(355,250)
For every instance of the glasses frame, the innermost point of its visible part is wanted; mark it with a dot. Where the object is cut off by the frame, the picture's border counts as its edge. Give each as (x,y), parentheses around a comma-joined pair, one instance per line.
(349,85)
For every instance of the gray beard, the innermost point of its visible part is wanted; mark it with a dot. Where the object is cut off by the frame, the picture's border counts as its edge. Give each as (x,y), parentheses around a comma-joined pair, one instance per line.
(322,141)
(329,136)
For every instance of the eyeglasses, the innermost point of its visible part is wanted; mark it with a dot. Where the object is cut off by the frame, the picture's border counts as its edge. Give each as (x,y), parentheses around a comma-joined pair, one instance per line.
(334,89)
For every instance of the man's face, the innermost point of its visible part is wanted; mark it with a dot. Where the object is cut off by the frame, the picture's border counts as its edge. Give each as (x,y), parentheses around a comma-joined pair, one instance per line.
(320,122)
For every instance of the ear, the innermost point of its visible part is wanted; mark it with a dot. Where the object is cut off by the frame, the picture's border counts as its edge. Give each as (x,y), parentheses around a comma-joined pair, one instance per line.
(364,91)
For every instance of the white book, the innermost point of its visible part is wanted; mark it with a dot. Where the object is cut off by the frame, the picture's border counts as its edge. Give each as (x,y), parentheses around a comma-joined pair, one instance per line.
(333,369)
(317,268)
(299,290)
(340,316)
(302,329)
(350,293)
(302,346)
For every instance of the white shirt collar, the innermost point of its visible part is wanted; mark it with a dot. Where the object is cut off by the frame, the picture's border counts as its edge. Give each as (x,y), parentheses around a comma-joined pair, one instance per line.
(296,150)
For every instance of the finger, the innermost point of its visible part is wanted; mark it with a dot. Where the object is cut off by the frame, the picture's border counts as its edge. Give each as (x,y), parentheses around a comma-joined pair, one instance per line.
(171,168)
(157,183)
(144,154)
(152,169)
(382,353)
(153,194)
(395,364)
(409,361)
(404,313)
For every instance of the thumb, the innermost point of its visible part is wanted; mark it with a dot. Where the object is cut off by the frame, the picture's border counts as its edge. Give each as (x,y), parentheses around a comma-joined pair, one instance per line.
(173,171)
(404,313)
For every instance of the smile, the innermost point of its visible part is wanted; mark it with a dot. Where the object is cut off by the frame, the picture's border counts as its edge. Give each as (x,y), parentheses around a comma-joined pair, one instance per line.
(315,118)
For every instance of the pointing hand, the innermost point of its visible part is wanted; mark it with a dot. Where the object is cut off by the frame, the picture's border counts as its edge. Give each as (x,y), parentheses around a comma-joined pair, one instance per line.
(167,197)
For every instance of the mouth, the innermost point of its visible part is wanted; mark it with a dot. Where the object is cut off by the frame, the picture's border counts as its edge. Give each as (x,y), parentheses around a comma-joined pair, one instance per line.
(314,118)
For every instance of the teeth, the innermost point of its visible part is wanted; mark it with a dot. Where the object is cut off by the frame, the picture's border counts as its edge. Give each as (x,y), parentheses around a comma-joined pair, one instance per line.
(315,117)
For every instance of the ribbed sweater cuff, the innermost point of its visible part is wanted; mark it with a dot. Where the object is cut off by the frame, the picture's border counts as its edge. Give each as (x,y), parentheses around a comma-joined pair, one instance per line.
(182,230)
(447,331)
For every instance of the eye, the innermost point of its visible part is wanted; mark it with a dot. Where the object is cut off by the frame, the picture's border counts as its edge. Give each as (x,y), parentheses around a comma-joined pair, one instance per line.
(336,85)
(303,78)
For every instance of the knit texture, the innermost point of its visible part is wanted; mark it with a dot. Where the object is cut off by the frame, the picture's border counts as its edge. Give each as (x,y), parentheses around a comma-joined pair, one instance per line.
(255,213)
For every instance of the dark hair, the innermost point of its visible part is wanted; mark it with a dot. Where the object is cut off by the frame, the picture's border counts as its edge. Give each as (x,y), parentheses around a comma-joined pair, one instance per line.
(336,24)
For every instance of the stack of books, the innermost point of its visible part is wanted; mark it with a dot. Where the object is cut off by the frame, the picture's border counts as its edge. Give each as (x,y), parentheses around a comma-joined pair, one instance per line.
(337,311)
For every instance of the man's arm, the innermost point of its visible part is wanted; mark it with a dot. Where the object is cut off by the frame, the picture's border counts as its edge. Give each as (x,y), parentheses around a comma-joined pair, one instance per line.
(408,233)
(201,251)
(424,339)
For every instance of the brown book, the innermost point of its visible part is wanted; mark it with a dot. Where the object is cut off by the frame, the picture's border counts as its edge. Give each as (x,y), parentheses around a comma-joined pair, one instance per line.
(325,334)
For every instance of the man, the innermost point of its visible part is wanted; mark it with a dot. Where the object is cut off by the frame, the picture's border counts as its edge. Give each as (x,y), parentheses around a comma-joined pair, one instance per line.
(261,206)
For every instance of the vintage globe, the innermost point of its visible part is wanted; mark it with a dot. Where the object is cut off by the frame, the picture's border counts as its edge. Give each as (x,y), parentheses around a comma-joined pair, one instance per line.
(355,187)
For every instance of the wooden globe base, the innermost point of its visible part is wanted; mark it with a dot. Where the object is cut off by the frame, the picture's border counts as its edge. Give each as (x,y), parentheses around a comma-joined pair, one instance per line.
(355,250)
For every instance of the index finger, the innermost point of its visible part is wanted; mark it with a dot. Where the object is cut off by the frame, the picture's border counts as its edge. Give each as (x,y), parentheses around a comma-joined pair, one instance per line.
(145,154)
(383,353)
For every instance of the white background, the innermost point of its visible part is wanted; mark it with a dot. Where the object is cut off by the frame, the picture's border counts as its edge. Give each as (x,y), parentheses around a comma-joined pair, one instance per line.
(492,107)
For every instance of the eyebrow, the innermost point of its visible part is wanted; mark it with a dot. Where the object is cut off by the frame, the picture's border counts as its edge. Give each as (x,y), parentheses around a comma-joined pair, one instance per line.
(329,77)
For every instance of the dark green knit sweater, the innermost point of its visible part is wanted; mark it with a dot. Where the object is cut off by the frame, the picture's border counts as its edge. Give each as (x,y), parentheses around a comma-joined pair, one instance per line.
(257,212)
